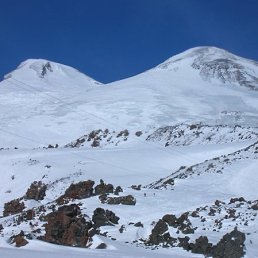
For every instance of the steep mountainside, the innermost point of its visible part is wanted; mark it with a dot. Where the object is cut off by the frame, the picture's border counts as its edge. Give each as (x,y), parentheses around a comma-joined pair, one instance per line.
(65,103)
(162,164)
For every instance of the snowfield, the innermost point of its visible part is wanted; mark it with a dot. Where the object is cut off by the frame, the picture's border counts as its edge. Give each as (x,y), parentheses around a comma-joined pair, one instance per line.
(180,139)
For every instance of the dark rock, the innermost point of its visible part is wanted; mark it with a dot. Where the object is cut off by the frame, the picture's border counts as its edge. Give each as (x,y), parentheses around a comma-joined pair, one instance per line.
(230,246)
(195,214)
(138,133)
(124,133)
(13,207)
(240,199)
(171,220)
(138,224)
(102,246)
(255,207)
(218,203)
(95,143)
(65,227)
(103,188)
(125,200)
(159,235)
(72,210)
(202,246)
(19,240)
(184,243)
(212,212)
(81,190)
(103,217)
(1,227)
(118,190)
(122,229)
(136,187)
(36,191)
(29,214)
(169,182)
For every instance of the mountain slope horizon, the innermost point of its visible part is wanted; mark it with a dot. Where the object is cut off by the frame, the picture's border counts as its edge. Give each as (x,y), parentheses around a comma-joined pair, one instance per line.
(202,84)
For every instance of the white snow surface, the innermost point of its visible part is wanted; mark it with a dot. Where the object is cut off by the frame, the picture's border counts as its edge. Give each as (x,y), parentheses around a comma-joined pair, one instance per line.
(214,158)
(65,104)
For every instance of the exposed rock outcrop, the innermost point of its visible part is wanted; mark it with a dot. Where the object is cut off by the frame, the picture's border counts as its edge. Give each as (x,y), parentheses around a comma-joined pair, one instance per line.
(13,207)
(36,191)
(103,188)
(103,217)
(125,200)
(67,227)
(81,190)
(230,246)
(160,235)
(19,240)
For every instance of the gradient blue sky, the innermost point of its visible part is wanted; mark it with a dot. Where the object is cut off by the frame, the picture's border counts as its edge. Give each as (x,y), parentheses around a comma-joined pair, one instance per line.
(114,39)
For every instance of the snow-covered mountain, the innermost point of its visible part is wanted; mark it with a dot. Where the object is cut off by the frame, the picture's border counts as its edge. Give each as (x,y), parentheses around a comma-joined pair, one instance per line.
(38,99)
(202,84)
(175,147)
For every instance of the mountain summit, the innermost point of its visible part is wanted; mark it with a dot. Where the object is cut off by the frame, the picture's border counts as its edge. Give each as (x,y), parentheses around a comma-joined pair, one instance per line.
(217,64)
(44,73)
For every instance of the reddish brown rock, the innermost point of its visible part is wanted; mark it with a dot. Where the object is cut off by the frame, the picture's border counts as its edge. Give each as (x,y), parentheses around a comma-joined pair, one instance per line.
(36,191)
(67,227)
(103,188)
(19,240)
(13,207)
(81,190)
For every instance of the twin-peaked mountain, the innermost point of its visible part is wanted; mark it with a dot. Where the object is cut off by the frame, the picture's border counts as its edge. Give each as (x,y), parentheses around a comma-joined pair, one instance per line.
(42,101)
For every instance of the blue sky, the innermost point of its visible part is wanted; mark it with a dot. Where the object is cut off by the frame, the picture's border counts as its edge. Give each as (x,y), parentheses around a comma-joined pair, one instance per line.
(114,39)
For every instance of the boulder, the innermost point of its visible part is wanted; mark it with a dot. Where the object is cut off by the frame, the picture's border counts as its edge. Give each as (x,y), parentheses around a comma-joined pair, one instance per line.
(103,217)
(118,190)
(201,246)
(231,245)
(159,235)
(103,188)
(81,190)
(36,191)
(19,240)
(13,207)
(125,200)
(67,227)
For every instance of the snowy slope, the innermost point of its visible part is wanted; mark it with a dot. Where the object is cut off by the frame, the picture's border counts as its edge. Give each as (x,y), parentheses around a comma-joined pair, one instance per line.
(180,138)
(65,104)
(37,98)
